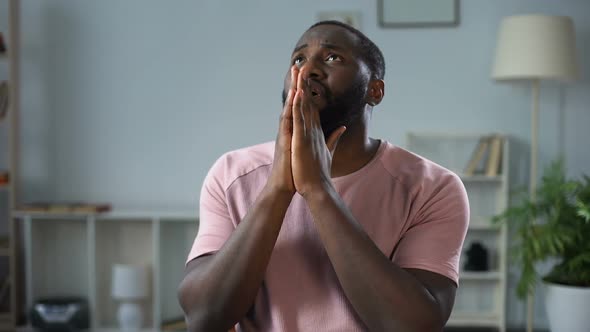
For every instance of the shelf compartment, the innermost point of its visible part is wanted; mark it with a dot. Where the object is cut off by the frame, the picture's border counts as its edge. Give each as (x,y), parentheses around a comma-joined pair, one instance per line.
(6,321)
(483,224)
(481,178)
(480,276)
(59,250)
(176,239)
(474,319)
(120,242)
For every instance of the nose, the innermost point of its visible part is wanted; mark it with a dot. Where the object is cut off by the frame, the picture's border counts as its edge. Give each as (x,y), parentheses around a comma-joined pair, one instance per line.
(312,68)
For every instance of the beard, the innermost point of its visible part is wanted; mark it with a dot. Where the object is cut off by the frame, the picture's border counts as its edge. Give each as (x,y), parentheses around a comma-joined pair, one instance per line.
(344,109)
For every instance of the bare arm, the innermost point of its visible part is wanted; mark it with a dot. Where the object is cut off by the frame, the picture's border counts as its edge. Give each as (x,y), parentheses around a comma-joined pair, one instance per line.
(218,290)
(386,297)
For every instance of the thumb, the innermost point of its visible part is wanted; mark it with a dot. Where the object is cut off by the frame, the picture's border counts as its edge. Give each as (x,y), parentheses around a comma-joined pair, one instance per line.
(334,138)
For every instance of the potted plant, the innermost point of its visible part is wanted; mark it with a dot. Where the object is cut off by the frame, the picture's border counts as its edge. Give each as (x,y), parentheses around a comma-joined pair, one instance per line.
(556,225)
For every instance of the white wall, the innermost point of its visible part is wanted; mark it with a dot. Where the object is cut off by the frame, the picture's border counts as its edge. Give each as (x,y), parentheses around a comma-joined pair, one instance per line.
(131,101)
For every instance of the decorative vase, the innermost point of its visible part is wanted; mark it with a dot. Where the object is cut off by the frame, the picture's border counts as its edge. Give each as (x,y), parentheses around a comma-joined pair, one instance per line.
(567,308)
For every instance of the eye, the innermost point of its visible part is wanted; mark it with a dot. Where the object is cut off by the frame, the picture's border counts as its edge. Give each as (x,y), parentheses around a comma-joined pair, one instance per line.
(334,57)
(298,60)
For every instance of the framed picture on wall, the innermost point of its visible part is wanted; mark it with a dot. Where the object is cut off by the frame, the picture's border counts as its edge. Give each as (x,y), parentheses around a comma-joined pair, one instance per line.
(418,13)
(352,18)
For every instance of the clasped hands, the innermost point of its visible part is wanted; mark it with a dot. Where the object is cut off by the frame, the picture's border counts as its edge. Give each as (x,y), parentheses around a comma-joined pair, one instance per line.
(303,158)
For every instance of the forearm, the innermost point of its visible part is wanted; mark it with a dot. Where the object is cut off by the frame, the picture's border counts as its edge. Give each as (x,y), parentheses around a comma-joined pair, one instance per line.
(219,293)
(386,297)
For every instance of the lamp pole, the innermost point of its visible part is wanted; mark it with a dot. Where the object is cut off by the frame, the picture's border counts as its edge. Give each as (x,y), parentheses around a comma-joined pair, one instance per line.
(533,180)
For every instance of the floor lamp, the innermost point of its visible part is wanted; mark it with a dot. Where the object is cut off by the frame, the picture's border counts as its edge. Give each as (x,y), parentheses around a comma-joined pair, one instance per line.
(532,48)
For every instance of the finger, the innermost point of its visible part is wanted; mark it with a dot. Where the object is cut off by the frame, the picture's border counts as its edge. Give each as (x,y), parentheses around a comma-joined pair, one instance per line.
(306,107)
(288,108)
(286,120)
(300,79)
(294,76)
(305,94)
(334,138)
(315,117)
(298,119)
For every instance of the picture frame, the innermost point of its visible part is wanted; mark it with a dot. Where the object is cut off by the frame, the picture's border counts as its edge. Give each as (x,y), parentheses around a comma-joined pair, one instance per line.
(418,13)
(352,18)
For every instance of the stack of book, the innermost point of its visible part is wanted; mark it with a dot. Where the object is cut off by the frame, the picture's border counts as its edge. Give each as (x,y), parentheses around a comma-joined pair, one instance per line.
(175,324)
(2,45)
(486,159)
(4,92)
(4,178)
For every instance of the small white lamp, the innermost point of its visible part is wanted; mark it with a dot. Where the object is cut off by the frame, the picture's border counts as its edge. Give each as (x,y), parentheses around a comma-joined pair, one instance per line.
(531,48)
(130,286)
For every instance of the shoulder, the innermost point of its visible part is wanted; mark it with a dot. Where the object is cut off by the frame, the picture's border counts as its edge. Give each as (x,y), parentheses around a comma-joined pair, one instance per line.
(235,164)
(417,173)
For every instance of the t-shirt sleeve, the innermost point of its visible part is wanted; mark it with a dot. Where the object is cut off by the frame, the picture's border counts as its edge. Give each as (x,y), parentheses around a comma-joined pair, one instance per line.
(434,240)
(215,223)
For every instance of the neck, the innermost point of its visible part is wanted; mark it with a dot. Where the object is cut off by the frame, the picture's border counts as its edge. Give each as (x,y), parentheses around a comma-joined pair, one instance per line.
(355,148)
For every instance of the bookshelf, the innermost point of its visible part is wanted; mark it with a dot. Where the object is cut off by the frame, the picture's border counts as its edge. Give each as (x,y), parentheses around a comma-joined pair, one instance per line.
(481,296)
(73,253)
(9,73)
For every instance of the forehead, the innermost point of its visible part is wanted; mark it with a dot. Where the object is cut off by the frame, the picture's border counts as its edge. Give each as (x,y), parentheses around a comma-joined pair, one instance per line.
(329,34)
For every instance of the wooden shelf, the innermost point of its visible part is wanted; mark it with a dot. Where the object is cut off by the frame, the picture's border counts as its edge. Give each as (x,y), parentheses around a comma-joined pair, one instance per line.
(474,319)
(481,302)
(480,223)
(480,276)
(481,178)
(5,322)
(9,61)
(100,329)
(127,215)
(97,241)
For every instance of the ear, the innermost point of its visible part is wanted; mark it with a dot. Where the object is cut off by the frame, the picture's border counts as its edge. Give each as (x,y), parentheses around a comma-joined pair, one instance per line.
(375,92)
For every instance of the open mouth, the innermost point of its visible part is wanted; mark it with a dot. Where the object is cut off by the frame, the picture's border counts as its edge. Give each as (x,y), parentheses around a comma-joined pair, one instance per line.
(316,88)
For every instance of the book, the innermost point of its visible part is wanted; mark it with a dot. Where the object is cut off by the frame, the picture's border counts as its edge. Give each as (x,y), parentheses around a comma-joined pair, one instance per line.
(478,156)
(2,45)
(65,207)
(4,177)
(4,289)
(495,156)
(4,92)
(176,324)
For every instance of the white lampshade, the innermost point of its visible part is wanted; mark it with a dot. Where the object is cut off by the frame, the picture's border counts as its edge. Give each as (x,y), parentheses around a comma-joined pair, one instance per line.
(130,282)
(536,47)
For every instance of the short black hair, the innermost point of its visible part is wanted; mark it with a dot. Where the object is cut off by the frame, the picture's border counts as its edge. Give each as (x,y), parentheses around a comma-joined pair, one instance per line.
(369,52)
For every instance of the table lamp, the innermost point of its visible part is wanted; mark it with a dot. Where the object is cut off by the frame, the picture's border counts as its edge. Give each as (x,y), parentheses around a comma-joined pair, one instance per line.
(532,48)
(130,286)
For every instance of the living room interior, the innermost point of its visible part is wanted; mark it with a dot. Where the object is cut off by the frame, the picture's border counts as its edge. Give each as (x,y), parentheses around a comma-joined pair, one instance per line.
(112,113)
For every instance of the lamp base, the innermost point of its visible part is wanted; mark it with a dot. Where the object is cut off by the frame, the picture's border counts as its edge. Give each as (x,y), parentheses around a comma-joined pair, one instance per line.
(130,316)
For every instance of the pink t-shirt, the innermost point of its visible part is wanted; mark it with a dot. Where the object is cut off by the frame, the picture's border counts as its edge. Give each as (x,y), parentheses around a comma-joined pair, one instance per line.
(414,210)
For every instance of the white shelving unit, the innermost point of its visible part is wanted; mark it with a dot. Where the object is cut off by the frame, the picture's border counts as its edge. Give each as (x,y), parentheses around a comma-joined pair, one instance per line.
(72,255)
(481,296)
(9,72)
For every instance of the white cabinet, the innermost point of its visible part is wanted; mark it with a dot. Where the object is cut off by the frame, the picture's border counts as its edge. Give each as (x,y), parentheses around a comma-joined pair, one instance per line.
(481,296)
(73,254)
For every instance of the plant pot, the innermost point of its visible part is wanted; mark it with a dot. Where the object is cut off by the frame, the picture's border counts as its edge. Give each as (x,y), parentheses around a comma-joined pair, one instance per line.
(567,308)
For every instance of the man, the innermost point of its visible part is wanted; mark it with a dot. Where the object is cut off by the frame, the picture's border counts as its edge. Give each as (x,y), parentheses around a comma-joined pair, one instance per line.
(326,229)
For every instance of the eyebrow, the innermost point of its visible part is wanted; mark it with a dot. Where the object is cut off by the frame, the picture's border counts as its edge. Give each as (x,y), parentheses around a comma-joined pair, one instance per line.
(324,45)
